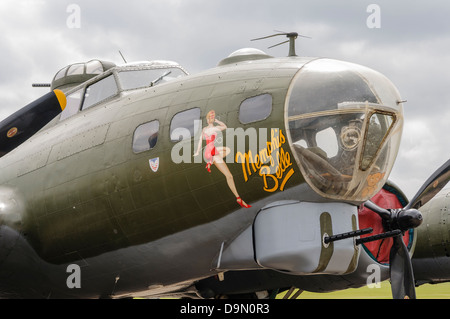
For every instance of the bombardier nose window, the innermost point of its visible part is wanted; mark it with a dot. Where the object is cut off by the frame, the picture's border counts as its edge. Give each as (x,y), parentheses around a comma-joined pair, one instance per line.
(347,146)
(338,139)
(327,141)
(378,127)
(335,149)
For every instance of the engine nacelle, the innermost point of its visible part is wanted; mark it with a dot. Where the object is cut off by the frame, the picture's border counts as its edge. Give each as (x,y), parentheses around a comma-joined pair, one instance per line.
(431,259)
(287,236)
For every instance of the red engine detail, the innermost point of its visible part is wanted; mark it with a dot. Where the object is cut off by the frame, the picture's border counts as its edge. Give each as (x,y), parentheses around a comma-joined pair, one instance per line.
(379,249)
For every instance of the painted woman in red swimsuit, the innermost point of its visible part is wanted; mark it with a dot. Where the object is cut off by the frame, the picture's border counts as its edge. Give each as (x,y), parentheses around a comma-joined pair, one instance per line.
(214,155)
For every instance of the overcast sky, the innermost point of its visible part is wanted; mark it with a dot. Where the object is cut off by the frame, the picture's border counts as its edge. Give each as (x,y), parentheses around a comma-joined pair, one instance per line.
(409,43)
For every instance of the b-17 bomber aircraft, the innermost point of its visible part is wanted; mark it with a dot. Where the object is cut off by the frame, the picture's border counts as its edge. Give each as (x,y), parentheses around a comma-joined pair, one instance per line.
(254,177)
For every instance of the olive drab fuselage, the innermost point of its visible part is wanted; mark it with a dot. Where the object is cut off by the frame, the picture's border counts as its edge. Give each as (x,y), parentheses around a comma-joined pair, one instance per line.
(114,185)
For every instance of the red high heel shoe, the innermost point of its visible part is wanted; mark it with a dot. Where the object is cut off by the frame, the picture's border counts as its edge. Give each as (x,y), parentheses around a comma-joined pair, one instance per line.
(241,202)
(208,167)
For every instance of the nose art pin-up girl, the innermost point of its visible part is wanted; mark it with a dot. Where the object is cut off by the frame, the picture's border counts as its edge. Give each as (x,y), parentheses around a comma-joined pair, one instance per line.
(214,155)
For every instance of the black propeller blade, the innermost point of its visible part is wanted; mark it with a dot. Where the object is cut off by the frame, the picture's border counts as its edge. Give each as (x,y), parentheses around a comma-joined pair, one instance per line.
(431,187)
(20,126)
(400,269)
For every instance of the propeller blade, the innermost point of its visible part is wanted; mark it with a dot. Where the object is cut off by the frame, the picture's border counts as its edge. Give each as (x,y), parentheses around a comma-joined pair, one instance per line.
(401,271)
(431,187)
(384,213)
(20,126)
(400,266)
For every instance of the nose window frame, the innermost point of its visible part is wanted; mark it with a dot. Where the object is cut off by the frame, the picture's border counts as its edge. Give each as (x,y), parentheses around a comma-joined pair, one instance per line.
(365,166)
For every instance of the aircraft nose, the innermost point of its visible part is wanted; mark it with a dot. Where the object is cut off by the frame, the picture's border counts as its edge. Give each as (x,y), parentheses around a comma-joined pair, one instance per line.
(344,127)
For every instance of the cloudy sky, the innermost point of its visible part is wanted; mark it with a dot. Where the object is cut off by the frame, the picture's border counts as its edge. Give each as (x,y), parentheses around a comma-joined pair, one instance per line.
(408,41)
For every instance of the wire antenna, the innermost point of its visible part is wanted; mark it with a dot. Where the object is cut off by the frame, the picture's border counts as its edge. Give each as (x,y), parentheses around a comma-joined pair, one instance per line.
(292,36)
(122,57)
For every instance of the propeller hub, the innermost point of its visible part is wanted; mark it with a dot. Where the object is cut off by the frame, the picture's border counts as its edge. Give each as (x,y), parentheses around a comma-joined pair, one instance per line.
(405,219)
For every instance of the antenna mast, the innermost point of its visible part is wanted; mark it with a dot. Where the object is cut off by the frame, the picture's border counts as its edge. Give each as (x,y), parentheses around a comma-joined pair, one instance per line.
(122,57)
(292,36)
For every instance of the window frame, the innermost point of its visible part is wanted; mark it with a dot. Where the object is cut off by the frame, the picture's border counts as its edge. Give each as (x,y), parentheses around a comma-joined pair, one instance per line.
(123,80)
(117,91)
(135,138)
(193,127)
(69,110)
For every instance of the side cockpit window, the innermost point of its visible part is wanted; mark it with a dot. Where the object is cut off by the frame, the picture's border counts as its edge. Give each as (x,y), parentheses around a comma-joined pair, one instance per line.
(73,104)
(255,109)
(100,91)
(145,136)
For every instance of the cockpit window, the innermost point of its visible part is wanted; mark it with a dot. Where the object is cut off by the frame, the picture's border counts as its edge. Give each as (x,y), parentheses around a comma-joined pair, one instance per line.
(121,78)
(75,69)
(73,104)
(94,67)
(61,73)
(100,91)
(134,79)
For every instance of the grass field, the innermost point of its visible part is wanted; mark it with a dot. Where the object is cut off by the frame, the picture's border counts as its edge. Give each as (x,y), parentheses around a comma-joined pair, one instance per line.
(440,291)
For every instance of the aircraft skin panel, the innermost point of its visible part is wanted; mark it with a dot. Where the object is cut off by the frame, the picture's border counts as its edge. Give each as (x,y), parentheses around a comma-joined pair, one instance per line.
(431,259)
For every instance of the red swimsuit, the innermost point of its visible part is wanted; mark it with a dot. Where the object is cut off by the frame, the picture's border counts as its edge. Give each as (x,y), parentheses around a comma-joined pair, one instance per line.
(210,149)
